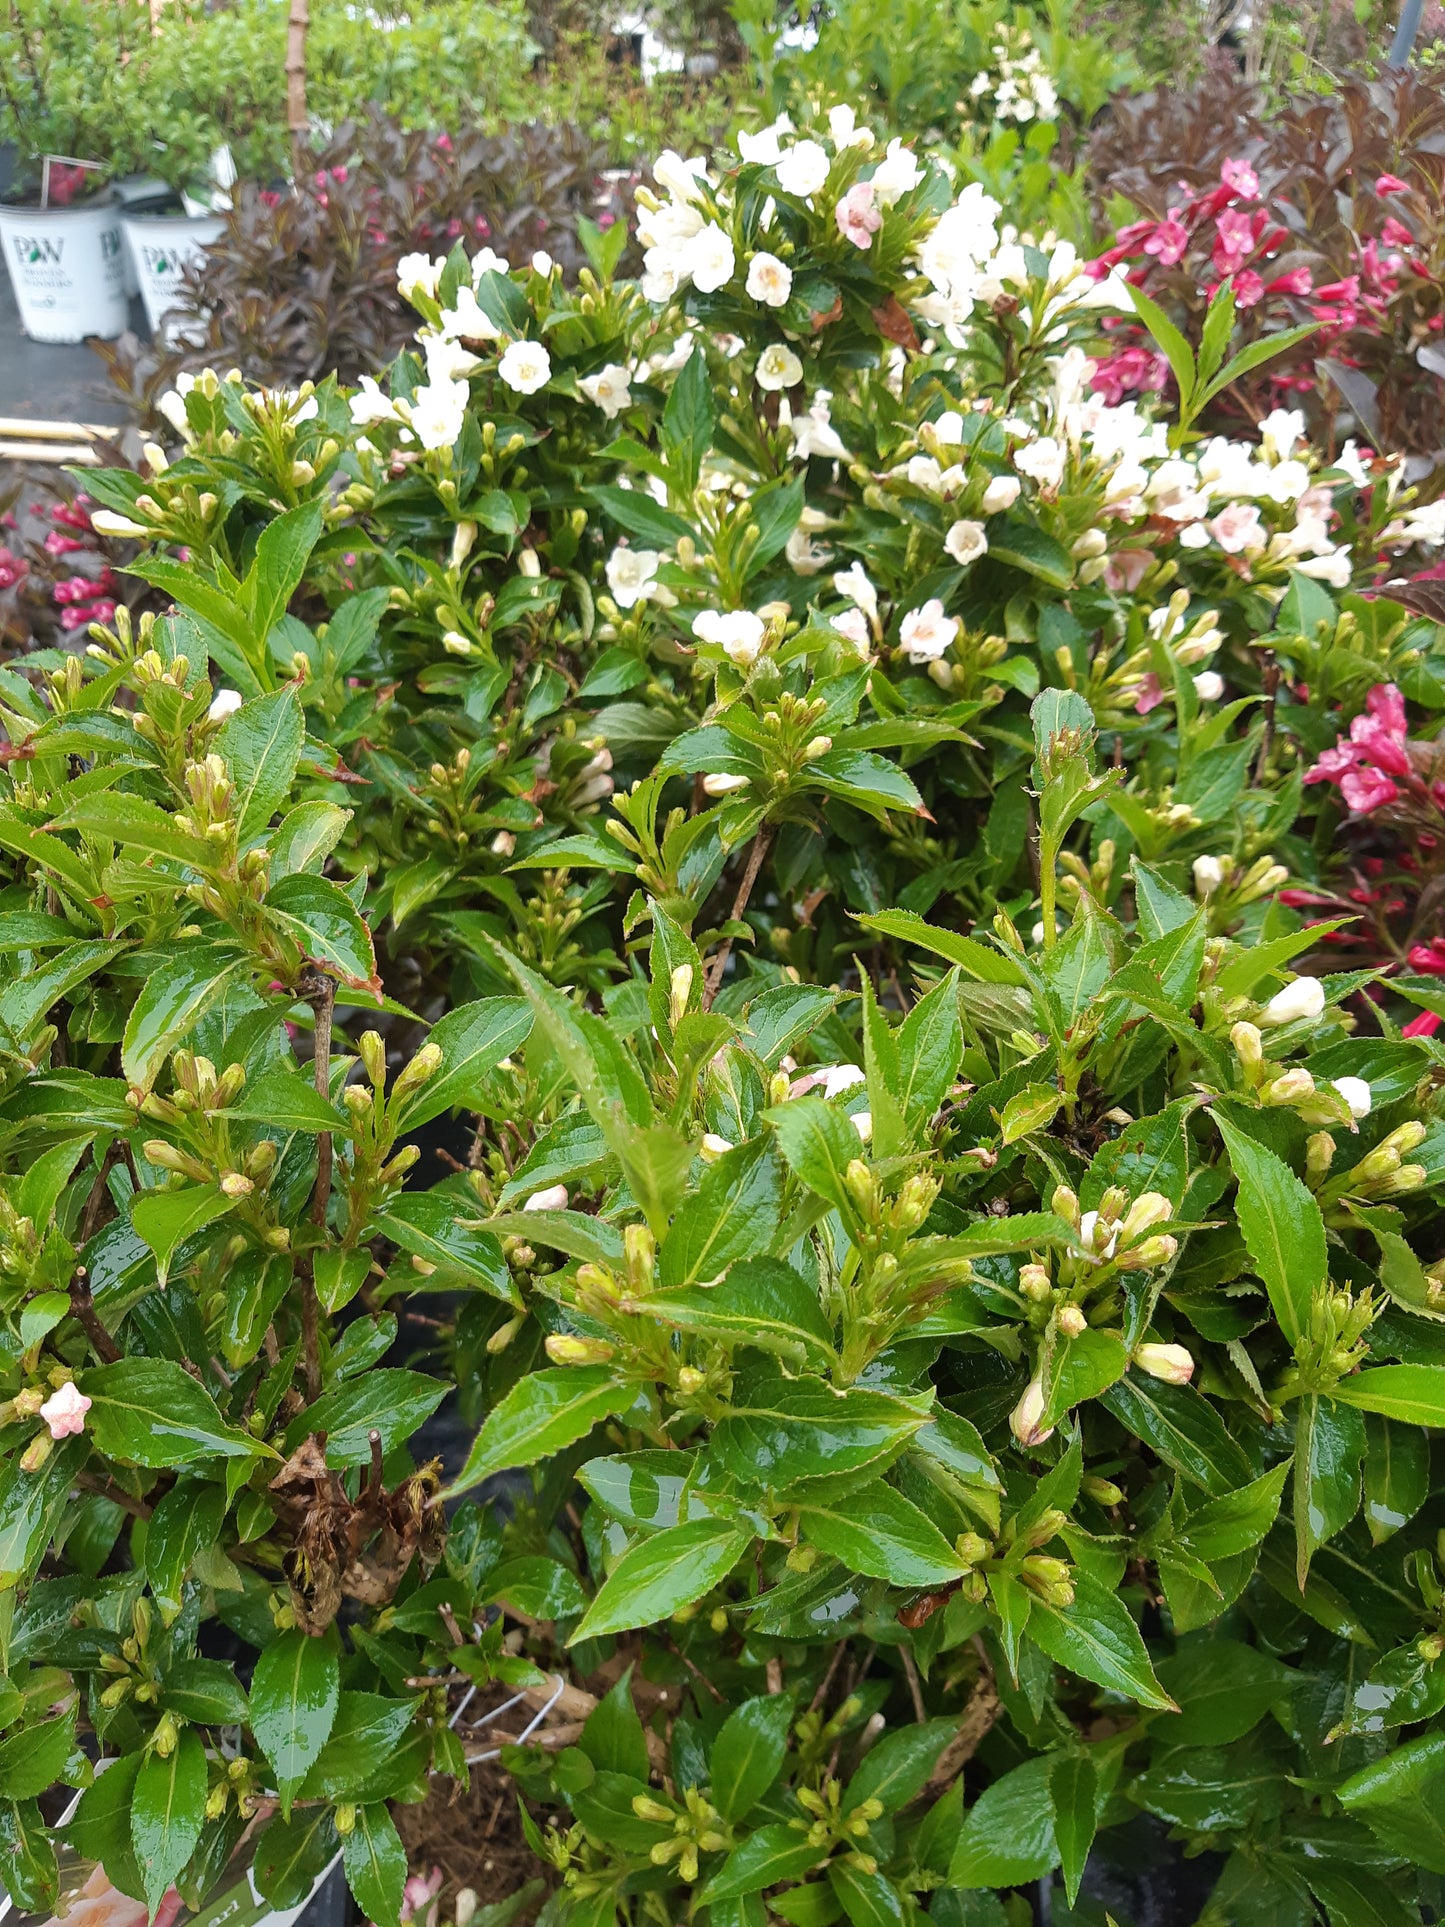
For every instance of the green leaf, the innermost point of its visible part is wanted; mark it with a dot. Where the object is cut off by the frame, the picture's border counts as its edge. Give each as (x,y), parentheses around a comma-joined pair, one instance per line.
(543,1413)
(1397,1475)
(473,1039)
(1176,349)
(204,1690)
(1402,1798)
(186,1519)
(147,1411)
(799,1434)
(1096,1637)
(897,1769)
(734,1213)
(1254,355)
(172,1002)
(1282,1227)
(262,743)
(773,1853)
(425,1224)
(1008,1833)
(291,1853)
(748,1753)
(165,1219)
(294,1694)
(636,512)
(319,916)
(762,1302)
(280,562)
(392,1402)
(658,1574)
(375,1864)
(32,1760)
(819,1144)
(1074,1791)
(27,1859)
(1223,1688)
(1181,1425)
(977,960)
(367,1728)
(166,1815)
(1329,1442)
(1025,546)
(613,1739)
(883,1535)
(1413,1394)
(289,1102)
(688,422)
(869,1899)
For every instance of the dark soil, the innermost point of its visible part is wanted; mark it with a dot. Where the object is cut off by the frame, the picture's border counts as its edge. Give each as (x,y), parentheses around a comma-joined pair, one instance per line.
(474,1834)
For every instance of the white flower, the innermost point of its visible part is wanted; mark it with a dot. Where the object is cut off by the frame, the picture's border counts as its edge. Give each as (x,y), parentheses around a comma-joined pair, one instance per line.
(769,280)
(805,556)
(1279,432)
(723,785)
(764,148)
(608,389)
(1304,998)
(966,542)
(107,522)
(710,259)
(838,1078)
(739,634)
(1349,461)
(525,367)
(803,169)
(438,412)
(713,1146)
(1001,493)
(927,632)
(467,320)
(630,576)
(1208,875)
(225,703)
(1335,568)
(853,625)
(778,368)
(418,274)
(1042,461)
(1097,1250)
(64,1412)
(897,174)
(1357,1094)
(662,274)
(369,405)
(844,131)
(447,360)
(683,180)
(668,226)
(542,263)
(862,1122)
(488,261)
(1209,686)
(853,583)
(814,434)
(554,1198)
(172,405)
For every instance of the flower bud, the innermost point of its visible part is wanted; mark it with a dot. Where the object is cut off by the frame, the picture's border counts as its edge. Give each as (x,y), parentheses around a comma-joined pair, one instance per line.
(567,1348)
(1319,1156)
(679,991)
(1248,1048)
(1101,1491)
(1034,1282)
(713,1147)
(690,1381)
(166,1735)
(1153,1251)
(1065,1205)
(1357,1094)
(425,1065)
(1025,1420)
(1071,1321)
(552,1198)
(1290,1087)
(1170,1362)
(345,1817)
(372,1052)
(641,1249)
(971,1547)
(217,1800)
(1147,1210)
(1208,875)
(862,1187)
(819,746)
(1302,1000)
(723,785)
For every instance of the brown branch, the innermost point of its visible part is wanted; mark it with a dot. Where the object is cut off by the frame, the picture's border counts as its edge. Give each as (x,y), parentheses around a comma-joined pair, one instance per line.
(82,1307)
(978,1716)
(915,1685)
(318,990)
(99,1192)
(757,851)
(297,27)
(89,1482)
(1271,696)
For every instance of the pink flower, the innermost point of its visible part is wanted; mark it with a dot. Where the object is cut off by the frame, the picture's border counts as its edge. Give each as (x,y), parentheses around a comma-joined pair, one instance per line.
(1241,177)
(58,544)
(1429,958)
(1389,184)
(1425,1025)
(1333,764)
(419,1892)
(1366,790)
(1379,747)
(1387,706)
(1297,281)
(1150,694)
(1235,240)
(65,1412)
(1248,288)
(78,617)
(1237,528)
(1169,241)
(1396,235)
(1125,570)
(857,215)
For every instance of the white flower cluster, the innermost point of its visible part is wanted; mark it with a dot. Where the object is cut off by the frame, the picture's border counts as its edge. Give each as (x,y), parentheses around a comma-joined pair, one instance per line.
(682,244)
(434,415)
(1019,86)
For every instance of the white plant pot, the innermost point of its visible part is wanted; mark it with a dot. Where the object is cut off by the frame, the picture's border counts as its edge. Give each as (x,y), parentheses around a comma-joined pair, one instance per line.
(67,267)
(162,246)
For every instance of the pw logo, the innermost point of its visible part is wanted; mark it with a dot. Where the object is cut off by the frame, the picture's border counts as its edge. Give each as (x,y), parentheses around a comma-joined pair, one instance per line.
(33,249)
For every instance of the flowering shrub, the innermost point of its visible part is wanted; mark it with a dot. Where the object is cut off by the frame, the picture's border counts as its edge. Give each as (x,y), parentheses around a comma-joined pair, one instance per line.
(945,1310)
(1323,212)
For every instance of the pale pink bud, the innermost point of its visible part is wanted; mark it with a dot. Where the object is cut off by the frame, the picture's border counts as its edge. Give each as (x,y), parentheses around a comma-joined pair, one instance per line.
(1172,1363)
